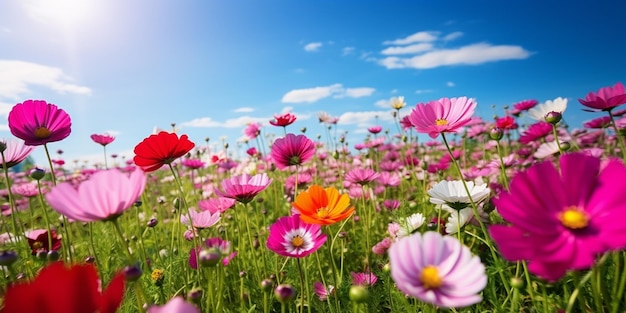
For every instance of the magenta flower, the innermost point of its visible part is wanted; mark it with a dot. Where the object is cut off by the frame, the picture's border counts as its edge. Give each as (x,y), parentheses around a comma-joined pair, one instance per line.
(244,188)
(200,220)
(14,152)
(535,132)
(252,131)
(292,150)
(291,237)
(522,106)
(598,122)
(38,122)
(375,129)
(606,99)
(193,164)
(437,269)
(363,279)
(442,116)
(563,221)
(323,292)
(176,304)
(219,204)
(104,196)
(103,139)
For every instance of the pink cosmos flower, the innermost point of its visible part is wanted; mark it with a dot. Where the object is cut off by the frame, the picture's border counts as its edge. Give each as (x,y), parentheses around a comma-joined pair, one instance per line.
(15,152)
(598,122)
(38,122)
(104,196)
(606,99)
(243,188)
(323,292)
(361,176)
(522,106)
(252,131)
(103,139)
(535,132)
(437,269)
(442,116)
(363,279)
(219,204)
(292,150)
(283,120)
(291,237)
(506,122)
(176,304)
(200,220)
(193,164)
(375,129)
(562,221)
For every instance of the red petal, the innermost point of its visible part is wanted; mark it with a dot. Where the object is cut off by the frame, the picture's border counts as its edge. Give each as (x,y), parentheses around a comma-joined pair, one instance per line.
(113,295)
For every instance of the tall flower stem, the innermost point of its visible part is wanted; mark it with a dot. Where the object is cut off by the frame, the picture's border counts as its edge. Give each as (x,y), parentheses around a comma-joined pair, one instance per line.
(251,242)
(574,295)
(319,266)
(620,138)
(141,296)
(52,175)
(556,139)
(303,286)
(45,215)
(106,166)
(505,179)
(16,229)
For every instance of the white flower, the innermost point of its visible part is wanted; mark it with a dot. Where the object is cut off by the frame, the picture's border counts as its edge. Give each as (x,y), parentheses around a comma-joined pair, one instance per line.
(410,224)
(546,149)
(539,111)
(457,218)
(452,194)
(397,103)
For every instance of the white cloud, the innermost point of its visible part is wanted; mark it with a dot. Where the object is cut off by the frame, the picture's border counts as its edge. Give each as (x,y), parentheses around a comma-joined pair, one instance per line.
(366,118)
(348,50)
(207,122)
(411,49)
(17,76)
(317,93)
(423,36)
(423,91)
(467,55)
(450,84)
(313,46)
(452,36)
(244,110)
(383,103)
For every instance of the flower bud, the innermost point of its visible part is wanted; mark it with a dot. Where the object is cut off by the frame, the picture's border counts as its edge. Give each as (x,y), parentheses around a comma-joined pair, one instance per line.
(359,294)
(195,295)
(153,222)
(553,117)
(53,255)
(209,257)
(90,260)
(3,146)
(285,293)
(8,257)
(132,272)
(267,285)
(496,133)
(565,145)
(37,174)
(517,283)
(42,254)
(177,203)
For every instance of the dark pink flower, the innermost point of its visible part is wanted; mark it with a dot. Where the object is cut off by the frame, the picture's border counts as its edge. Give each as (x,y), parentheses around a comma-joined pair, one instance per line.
(283,120)
(38,122)
(598,123)
(292,150)
(321,291)
(535,132)
(506,122)
(561,221)
(193,164)
(252,131)
(363,279)
(605,99)
(522,106)
(375,129)
(442,116)
(103,139)
(291,237)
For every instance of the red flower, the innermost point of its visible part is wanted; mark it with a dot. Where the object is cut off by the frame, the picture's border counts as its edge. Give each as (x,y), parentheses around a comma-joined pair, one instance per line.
(283,120)
(506,122)
(157,150)
(61,289)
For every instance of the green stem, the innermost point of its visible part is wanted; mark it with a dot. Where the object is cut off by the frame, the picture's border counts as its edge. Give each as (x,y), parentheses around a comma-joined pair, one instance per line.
(572,298)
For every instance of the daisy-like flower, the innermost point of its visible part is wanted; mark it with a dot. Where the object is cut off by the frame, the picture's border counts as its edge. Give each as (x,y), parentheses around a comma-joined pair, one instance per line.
(363,279)
(321,291)
(102,139)
(442,116)
(437,269)
(322,206)
(361,176)
(14,152)
(38,122)
(291,237)
(605,99)
(535,132)
(540,111)
(283,120)
(243,188)
(397,103)
(562,221)
(292,150)
(546,149)
(104,196)
(176,304)
(452,194)
(219,204)
(410,224)
(38,241)
(200,220)
(61,289)
(160,149)
(458,219)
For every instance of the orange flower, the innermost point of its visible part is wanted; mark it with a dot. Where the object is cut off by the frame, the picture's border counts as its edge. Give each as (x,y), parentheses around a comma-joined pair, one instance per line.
(322,206)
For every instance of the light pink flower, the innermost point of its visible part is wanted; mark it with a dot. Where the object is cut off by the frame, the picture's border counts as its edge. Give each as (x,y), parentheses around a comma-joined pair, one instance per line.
(15,152)
(103,139)
(175,305)
(200,220)
(442,116)
(244,188)
(321,291)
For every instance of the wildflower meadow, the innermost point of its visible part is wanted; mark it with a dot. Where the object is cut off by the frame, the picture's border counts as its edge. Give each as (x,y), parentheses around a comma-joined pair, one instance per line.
(446,212)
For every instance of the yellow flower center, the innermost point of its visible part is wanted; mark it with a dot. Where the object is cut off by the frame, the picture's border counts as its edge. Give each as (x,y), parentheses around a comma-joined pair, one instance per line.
(574,218)
(297,241)
(37,245)
(322,213)
(42,132)
(430,277)
(441,122)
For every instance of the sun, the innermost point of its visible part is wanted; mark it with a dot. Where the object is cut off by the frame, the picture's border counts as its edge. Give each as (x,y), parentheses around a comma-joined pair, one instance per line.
(68,13)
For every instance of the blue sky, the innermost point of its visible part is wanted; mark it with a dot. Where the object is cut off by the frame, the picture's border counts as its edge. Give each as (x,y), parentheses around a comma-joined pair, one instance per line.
(125,67)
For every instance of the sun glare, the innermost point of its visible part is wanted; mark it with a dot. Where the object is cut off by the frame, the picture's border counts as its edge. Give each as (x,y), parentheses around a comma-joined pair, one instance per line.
(67,13)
